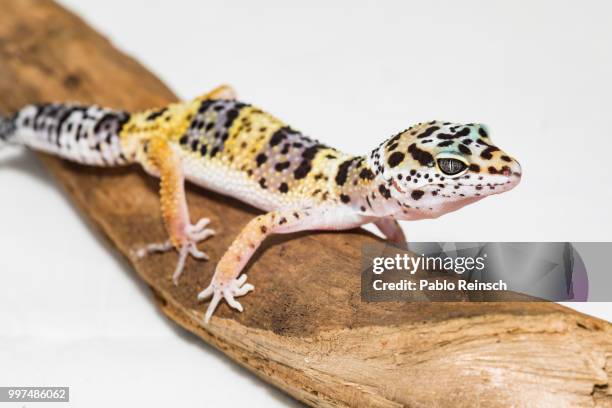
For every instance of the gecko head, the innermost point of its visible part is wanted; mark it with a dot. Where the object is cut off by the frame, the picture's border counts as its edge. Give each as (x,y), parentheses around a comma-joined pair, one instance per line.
(437,167)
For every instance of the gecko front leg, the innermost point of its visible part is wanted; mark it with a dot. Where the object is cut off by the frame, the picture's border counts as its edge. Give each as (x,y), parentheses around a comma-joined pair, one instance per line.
(183,236)
(391,229)
(227,285)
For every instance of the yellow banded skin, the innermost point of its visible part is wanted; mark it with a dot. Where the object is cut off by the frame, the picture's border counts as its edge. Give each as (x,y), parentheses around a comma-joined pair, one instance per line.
(243,140)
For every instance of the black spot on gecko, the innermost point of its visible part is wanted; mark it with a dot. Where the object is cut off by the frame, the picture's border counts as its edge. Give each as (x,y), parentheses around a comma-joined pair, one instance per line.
(463,132)
(342,173)
(487,153)
(67,114)
(261,159)
(230,116)
(278,136)
(306,165)
(417,194)
(428,132)
(282,166)
(344,198)
(79,133)
(366,174)
(447,136)
(311,152)
(445,143)
(423,157)
(464,149)
(396,158)
(384,191)
(392,147)
(302,170)
(393,140)
(206,104)
(262,182)
(156,114)
(283,188)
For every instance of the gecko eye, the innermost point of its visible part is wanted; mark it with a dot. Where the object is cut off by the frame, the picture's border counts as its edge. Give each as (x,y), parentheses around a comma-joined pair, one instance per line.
(450,166)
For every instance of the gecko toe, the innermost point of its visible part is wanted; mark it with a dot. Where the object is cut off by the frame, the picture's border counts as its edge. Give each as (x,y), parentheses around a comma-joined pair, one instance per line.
(228,290)
(206,293)
(212,306)
(233,302)
(196,253)
(244,290)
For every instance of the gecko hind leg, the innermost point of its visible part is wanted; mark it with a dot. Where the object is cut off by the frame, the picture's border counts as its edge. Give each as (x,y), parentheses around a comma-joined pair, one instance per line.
(221,92)
(183,235)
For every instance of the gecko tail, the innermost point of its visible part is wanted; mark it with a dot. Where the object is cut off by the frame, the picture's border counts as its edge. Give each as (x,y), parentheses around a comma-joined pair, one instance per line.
(7,131)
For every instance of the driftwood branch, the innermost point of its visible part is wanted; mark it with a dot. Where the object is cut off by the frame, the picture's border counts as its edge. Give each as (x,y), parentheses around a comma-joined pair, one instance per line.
(305,329)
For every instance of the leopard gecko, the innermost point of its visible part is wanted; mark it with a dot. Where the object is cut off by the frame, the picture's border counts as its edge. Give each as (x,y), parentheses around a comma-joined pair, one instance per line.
(239,150)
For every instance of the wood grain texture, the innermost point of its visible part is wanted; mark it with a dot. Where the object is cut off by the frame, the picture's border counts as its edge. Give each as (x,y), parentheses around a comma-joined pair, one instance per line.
(304,329)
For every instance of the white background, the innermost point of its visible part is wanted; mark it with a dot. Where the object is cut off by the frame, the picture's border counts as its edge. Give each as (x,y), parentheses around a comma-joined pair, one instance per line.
(350,74)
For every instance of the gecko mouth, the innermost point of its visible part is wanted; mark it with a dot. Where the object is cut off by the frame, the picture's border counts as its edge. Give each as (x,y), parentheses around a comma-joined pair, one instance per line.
(479,189)
(396,186)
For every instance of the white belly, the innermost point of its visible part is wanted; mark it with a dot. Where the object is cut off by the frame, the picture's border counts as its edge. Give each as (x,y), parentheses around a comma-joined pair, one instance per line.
(217,177)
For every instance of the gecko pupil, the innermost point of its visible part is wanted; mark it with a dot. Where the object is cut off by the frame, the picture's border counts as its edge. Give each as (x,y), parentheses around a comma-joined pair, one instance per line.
(451,167)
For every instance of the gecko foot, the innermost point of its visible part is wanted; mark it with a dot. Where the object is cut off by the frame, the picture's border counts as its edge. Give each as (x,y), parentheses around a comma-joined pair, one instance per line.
(193,234)
(225,290)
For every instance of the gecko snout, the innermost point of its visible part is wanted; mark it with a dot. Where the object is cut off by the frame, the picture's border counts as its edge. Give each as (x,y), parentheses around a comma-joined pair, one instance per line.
(515,170)
(513,173)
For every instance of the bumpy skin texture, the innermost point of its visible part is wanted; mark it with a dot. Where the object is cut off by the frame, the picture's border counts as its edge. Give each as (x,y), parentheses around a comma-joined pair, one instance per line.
(236,149)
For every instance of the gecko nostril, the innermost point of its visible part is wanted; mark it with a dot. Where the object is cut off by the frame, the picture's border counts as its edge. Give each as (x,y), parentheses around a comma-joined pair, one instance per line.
(507,172)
